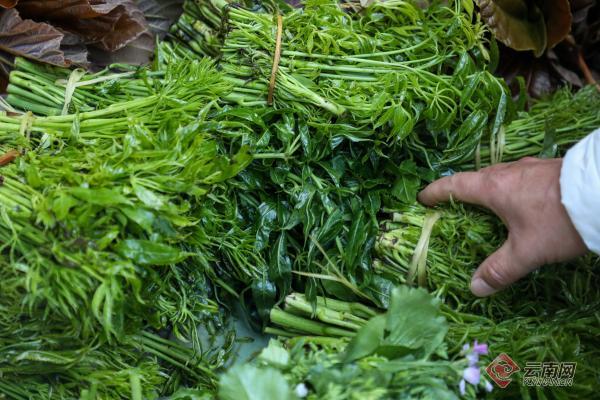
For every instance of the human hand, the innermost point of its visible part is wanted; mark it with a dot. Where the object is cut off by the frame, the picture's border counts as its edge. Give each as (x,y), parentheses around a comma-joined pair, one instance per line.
(526,196)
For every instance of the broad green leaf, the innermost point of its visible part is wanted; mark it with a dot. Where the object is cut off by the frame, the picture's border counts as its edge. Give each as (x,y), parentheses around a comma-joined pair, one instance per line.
(148,197)
(140,216)
(264,294)
(100,196)
(331,228)
(249,382)
(550,147)
(145,252)
(367,339)
(62,204)
(406,188)
(414,321)
(281,264)
(275,355)
(265,224)
(357,237)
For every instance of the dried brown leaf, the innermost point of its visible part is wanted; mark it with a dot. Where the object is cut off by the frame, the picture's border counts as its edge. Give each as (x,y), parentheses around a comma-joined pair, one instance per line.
(557,14)
(34,40)
(8,3)
(516,23)
(107,24)
(67,9)
(528,25)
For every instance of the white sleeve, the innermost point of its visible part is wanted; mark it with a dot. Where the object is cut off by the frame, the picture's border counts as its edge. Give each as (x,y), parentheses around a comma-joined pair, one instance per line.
(580,188)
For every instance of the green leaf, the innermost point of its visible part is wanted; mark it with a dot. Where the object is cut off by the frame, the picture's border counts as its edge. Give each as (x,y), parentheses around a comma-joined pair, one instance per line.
(356,239)
(145,252)
(406,187)
(281,264)
(367,339)
(62,204)
(148,197)
(550,147)
(331,228)
(140,216)
(249,382)
(265,224)
(412,325)
(100,196)
(414,321)
(264,294)
(275,355)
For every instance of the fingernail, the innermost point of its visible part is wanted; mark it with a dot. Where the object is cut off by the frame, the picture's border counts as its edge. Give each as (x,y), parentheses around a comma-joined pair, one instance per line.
(480,288)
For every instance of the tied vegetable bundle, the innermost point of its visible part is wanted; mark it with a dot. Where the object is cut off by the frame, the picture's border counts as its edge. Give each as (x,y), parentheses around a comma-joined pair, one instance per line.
(356,104)
(104,244)
(415,78)
(200,27)
(420,348)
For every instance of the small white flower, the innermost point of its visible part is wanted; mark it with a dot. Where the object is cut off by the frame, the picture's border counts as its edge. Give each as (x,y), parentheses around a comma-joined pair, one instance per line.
(488,386)
(472,375)
(462,387)
(301,390)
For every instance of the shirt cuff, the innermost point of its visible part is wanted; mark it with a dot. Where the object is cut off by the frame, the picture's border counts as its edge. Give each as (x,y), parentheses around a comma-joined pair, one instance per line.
(580,188)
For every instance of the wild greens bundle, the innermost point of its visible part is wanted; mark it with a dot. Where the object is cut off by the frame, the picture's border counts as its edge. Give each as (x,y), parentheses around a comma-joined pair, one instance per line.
(416,78)
(102,238)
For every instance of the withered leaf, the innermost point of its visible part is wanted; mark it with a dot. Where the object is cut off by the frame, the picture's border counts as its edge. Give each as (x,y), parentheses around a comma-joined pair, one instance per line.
(67,9)
(8,3)
(74,48)
(527,25)
(34,40)
(558,21)
(516,23)
(107,24)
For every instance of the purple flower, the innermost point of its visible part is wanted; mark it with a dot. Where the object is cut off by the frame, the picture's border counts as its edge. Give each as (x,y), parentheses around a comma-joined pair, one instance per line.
(473,359)
(480,348)
(472,375)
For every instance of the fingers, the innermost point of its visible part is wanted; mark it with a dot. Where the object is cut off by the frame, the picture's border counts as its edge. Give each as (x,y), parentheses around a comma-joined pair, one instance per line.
(498,271)
(465,186)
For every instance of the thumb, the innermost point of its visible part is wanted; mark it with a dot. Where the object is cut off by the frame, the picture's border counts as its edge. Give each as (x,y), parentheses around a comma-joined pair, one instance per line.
(498,271)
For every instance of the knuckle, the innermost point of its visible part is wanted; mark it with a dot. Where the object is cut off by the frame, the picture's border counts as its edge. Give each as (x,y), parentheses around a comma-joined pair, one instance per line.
(497,274)
(453,182)
(528,159)
(498,184)
(494,182)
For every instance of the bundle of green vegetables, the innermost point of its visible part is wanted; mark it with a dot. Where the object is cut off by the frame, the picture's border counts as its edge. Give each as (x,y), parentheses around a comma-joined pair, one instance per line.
(357,349)
(200,27)
(397,354)
(412,77)
(550,127)
(104,244)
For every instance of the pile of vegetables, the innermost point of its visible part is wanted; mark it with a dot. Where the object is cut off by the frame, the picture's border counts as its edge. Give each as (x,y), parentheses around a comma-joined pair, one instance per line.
(267,172)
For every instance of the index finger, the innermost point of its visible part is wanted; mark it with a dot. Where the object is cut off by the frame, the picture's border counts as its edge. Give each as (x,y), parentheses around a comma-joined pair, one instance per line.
(466,187)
